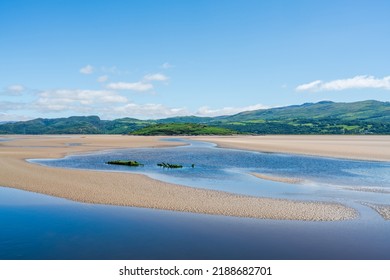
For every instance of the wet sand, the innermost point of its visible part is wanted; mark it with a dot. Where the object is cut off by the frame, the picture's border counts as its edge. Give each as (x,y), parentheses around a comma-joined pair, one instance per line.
(366,147)
(134,189)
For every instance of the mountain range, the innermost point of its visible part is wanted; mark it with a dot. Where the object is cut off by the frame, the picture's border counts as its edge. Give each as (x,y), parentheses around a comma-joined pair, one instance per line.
(325,117)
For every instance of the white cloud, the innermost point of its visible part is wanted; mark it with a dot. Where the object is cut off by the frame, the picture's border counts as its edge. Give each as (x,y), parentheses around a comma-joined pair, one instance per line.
(4,117)
(156,111)
(207,112)
(138,86)
(102,79)
(144,85)
(67,99)
(11,106)
(357,82)
(167,65)
(88,69)
(13,90)
(149,110)
(309,86)
(155,77)
(16,88)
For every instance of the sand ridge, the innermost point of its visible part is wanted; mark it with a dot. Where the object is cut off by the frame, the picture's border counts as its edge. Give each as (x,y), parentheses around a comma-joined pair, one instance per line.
(134,189)
(383,210)
(359,147)
(277,178)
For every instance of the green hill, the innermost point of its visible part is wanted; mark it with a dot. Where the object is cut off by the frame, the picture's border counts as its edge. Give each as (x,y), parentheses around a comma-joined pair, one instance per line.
(182,129)
(186,119)
(325,117)
(124,126)
(71,125)
(369,110)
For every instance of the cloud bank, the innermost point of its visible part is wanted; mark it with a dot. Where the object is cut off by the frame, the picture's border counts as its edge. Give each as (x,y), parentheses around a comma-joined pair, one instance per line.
(69,99)
(109,102)
(143,85)
(106,103)
(357,82)
(149,110)
(207,112)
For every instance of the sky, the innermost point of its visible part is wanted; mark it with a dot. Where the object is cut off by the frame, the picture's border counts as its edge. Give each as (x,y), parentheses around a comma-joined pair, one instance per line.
(156,59)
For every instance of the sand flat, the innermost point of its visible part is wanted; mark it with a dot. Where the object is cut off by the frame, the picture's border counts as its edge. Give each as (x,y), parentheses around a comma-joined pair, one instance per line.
(365,147)
(134,189)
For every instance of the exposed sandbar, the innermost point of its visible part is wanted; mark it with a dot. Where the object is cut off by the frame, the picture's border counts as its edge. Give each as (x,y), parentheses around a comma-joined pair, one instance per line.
(277,178)
(383,210)
(368,189)
(365,147)
(134,189)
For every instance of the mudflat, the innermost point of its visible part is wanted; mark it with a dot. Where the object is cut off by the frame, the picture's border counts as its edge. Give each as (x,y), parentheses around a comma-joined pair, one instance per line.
(136,190)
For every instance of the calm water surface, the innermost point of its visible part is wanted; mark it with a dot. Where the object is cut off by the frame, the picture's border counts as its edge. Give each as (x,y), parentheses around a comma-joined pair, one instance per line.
(35,226)
(229,170)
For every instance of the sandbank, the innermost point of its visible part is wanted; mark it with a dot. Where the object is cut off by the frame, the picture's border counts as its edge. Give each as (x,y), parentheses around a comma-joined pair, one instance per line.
(277,178)
(383,210)
(360,147)
(368,189)
(134,189)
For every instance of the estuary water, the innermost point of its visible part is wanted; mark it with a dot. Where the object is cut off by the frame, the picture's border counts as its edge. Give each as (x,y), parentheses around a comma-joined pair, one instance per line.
(230,170)
(35,226)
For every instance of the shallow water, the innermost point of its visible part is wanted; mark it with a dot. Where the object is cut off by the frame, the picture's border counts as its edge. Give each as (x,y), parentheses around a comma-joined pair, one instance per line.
(35,226)
(229,170)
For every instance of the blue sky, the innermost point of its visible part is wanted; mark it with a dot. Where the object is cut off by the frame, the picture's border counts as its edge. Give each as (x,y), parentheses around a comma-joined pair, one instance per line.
(154,59)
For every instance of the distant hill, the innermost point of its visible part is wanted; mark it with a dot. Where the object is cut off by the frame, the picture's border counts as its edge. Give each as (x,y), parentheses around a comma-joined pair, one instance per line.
(74,125)
(182,129)
(369,110)
(325,117)
(71,125)
(186,119)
